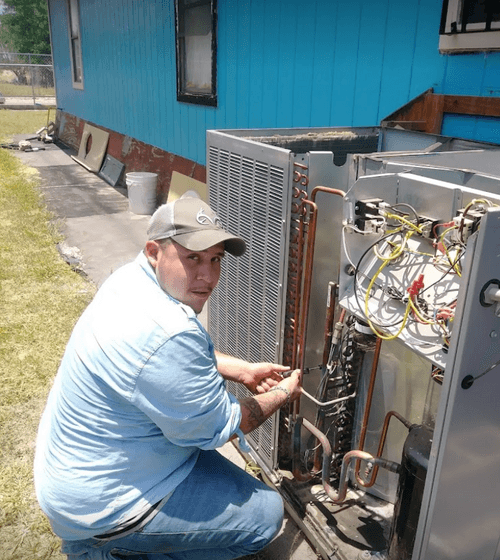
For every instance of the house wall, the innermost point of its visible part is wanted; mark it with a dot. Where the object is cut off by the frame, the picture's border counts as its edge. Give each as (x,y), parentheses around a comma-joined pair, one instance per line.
(280,64)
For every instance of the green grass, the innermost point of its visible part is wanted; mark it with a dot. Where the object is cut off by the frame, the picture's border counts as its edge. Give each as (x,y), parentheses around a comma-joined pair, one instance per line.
(21,122)
(8,87)
(14,90)
(41,298)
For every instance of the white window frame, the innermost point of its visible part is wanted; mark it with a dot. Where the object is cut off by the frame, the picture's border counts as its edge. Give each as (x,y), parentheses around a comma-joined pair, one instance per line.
(75,43)
(472,39)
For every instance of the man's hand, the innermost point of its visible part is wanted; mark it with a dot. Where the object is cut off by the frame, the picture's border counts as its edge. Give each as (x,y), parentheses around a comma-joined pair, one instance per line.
(256,410)
(263,376)
(258,378)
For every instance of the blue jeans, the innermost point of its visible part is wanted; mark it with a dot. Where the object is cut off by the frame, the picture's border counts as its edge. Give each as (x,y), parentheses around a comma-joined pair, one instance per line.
(219,512)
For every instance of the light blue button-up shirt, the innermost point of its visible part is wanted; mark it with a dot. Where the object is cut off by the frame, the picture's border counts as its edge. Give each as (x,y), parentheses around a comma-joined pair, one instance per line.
(136,397)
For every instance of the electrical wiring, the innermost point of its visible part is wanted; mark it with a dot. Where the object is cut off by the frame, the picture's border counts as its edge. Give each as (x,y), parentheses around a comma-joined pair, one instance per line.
(440,279)
(447,253)
(396,252)
(446,250)
(392,336)
(407,251)
(403,221)
(447,312)
(437,375)
(446,224)
(419,315)
(476,202)
(448,263)
(357,272)
(427,321)
(405,205)
(334,395)
(344,242)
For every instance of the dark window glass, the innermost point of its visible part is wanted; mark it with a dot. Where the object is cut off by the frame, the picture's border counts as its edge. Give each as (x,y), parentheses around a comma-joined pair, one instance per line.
(481,11)
(75,43)
(196,25)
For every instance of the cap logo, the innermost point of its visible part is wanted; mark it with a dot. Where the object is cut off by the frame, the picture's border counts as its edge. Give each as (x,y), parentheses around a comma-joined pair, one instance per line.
(204,219)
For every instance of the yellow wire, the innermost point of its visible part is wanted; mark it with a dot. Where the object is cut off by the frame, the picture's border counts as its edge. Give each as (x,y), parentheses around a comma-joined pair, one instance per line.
(403,221)
(441,237)
(454,264)
(392,336)
(418,314)
(441,240)
(423,319)
(396,252)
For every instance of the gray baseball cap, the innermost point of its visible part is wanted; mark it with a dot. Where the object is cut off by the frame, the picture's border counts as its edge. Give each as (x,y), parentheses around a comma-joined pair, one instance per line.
(194,225)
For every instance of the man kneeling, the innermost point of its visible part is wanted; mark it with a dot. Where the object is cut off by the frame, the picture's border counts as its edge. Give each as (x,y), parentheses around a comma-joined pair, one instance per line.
(125,463)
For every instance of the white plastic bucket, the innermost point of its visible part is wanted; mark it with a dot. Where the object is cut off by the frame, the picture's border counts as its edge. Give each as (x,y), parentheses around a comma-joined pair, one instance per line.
(141,188)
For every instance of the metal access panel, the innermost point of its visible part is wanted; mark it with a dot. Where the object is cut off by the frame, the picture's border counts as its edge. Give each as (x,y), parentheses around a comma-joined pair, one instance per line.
(476,169)
(248,186)
(460,516)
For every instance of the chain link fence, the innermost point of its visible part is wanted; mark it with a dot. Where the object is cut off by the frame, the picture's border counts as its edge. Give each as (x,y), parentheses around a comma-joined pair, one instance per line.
(26,79)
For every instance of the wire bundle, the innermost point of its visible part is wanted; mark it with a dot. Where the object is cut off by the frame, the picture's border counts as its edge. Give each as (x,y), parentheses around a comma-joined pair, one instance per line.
(445,254)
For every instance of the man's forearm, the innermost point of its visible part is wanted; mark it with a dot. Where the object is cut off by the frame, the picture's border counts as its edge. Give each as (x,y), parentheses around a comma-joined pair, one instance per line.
(230,368)
(256,410)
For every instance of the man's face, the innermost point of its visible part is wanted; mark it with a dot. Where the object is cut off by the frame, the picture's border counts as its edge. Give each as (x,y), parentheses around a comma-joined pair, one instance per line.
(188,276)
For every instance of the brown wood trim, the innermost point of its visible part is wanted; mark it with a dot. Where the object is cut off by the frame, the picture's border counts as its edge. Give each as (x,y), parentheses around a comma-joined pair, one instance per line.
(433,113)
(408,108)
(425,112)
(471,105)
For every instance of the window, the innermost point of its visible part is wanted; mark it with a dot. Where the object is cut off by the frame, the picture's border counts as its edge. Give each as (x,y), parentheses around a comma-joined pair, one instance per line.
(470,25)
(196,42)
(75,45)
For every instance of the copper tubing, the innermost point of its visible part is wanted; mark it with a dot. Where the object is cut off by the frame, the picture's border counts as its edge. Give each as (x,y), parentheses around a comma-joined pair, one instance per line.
(337,498)
(306,296)
(326,190)
(299,165)
(303,299)
(302,307)
(368,403)
(383,437)
(299,338)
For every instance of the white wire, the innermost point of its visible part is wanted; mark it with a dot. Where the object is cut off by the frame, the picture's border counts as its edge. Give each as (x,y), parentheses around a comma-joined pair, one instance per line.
(357,230)
(319,403)
(345,244)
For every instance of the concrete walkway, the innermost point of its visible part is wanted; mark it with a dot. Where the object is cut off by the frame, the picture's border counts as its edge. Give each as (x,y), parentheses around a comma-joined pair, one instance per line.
(102,234)
(94,217)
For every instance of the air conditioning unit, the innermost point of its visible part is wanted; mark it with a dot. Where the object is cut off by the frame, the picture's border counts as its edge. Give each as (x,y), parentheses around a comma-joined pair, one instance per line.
(314,259)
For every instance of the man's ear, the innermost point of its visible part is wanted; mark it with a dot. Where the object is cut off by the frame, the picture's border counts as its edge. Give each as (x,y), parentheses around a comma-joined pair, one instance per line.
(151,251)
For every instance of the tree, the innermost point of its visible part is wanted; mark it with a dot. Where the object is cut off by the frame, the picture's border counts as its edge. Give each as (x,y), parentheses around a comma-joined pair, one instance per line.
(24,26)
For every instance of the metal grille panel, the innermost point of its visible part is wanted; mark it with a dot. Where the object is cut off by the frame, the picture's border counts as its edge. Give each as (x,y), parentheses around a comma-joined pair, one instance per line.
(248,187)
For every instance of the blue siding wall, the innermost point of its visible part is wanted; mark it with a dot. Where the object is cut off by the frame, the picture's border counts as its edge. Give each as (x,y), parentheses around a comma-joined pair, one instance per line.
(281,63)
